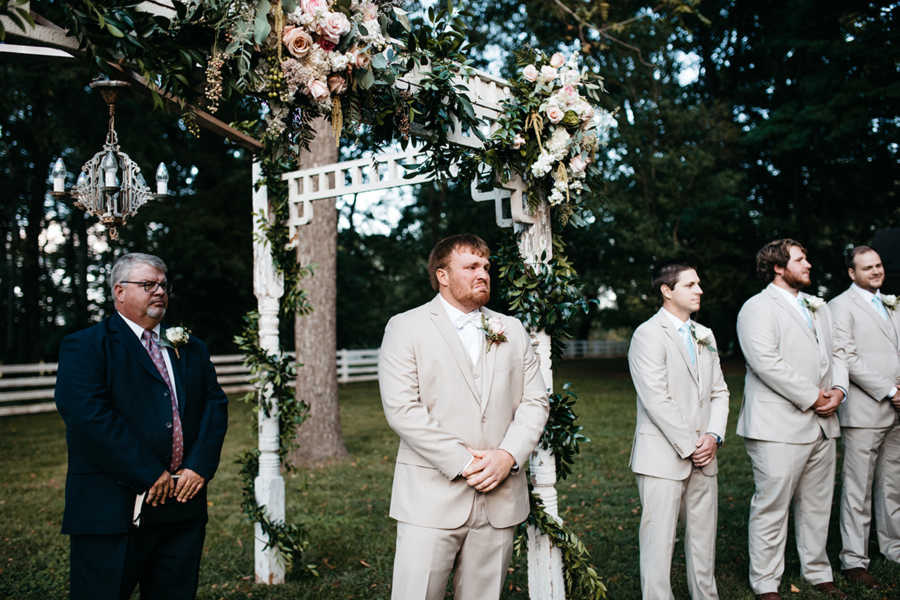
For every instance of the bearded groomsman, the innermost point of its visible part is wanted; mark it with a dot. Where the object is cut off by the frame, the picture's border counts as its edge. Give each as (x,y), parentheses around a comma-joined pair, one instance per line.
(682,411)
(461,386)
(867,332)
(794,385)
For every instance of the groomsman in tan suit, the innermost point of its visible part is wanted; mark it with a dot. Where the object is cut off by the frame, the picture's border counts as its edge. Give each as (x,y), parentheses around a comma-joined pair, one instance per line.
(867,332)
(461,387)
(793,388)
(682,411)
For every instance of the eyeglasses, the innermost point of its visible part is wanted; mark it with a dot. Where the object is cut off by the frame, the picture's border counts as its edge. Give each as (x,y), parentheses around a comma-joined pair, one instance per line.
(151,286)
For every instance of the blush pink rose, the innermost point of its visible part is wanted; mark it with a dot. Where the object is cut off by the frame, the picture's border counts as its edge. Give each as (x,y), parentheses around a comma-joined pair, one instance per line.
(297,41)
(555,114)
(530,73)
(557,60)
(337,84)
(318,90)
(333,26)
(578,165)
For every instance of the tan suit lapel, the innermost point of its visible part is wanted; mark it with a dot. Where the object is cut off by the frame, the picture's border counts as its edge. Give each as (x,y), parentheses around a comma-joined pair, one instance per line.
(885,325)
(488,363)
(795,315)
(675,336)
(454,344)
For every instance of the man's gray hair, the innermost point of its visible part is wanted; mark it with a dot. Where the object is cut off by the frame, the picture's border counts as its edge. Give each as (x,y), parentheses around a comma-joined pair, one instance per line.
(123,266)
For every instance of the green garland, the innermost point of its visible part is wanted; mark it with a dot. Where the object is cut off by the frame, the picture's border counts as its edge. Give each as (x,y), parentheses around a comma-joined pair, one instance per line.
(562,436)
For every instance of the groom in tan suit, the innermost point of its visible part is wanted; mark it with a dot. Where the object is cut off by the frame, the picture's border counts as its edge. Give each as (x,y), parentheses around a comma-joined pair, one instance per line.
(793,388)
(682,411)
(461,387)
(867,332)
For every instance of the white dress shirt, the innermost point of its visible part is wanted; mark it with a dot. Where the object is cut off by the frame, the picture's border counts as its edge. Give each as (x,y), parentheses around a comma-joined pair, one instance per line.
(139,332)
(468,327)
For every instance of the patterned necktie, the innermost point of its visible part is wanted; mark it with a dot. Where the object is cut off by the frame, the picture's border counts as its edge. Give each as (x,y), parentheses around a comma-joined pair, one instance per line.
(689,344)
(879,306)
(177,435)
(806,314)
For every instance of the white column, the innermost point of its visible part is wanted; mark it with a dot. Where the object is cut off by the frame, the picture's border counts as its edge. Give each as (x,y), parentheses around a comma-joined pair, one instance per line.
(545,568)
(268,286)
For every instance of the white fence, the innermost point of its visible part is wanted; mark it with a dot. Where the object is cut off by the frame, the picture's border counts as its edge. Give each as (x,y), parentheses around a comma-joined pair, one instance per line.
(26,389)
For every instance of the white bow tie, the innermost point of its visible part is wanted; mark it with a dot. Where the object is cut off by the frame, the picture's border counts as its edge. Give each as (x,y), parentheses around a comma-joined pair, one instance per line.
(473,318)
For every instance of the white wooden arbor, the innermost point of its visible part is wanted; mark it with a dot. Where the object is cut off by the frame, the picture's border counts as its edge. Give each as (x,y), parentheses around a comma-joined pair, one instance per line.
(545,572)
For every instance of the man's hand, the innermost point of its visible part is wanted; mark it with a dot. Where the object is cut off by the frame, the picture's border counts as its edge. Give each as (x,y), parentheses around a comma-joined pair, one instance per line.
(895,399)
(189,483)
(705,452)
(489,468)
(827,402)
(160,490)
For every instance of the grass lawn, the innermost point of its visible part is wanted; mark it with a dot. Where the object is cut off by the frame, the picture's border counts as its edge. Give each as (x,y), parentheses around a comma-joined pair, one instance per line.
(344,506)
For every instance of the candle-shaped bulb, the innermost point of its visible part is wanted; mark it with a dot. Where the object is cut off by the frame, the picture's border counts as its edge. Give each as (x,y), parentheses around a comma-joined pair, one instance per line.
(109,166)
(162,180)
(59,176)
(82,180)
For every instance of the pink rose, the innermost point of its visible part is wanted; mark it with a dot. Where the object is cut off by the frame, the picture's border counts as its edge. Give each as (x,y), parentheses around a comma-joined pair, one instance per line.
(369,11)
(318,90)
(333,26)
(548,73)
(530,73)
(337,84)
(362,60)
(313,7)
(297,41)
(555,114)
(557,60)
(578,165)
(518,142)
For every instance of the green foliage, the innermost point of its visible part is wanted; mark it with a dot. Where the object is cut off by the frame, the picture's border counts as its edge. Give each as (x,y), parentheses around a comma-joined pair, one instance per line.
(562,435)
(545,295)
(14,9)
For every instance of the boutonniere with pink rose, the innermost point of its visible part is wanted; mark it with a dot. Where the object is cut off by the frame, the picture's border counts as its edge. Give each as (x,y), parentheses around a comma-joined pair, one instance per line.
(493,330)
(813,303)
(174,338)
(890,301)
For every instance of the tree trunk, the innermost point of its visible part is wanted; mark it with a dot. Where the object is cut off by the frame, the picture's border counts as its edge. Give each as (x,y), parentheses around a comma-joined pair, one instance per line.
(315,335)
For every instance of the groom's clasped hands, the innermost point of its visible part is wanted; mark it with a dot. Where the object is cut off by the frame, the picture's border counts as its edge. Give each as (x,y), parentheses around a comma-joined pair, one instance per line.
(488,468)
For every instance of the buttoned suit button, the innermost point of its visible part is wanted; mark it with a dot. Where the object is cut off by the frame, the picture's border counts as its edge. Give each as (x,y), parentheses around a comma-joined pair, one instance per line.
(169,425)
(484,418)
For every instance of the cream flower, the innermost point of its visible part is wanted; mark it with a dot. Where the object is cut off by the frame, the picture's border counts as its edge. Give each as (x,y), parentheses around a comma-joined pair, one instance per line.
(530,73)
(555,114)
(518,142)
(333,26)
(318,89)
(890,301)
(557,60)
(813,303)
(548,73)
(297,41)
(578,166)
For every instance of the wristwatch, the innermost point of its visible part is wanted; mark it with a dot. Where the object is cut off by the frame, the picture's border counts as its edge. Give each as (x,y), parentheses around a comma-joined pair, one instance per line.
(719,440)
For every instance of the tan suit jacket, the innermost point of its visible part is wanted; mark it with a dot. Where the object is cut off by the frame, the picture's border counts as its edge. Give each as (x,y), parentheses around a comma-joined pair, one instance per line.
(677,402)
(438,404)
(787,364)
(870,345)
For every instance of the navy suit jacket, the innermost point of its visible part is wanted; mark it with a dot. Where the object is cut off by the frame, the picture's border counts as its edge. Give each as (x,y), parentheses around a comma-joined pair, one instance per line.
(118,418)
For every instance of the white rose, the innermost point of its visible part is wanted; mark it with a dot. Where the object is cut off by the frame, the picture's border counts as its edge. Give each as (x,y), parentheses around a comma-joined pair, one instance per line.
(314,7)
(176,335)
(813,303)
(547,73)
(555,113)
(577,165)
(557,60)
(530,73)
(518,142)
(333,26)
(338,61)
(495,324)
(889,300)
(318,90)
(570,77)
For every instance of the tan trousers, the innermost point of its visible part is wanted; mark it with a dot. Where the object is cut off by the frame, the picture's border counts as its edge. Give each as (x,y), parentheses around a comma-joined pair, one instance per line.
(785,474)
(663,501)
(426,555)
(871,471)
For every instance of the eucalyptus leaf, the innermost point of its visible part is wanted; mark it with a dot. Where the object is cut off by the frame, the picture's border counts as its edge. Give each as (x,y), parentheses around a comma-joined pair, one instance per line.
(261,27)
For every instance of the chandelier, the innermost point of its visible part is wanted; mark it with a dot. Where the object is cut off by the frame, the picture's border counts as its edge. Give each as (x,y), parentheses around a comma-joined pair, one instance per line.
(110,185)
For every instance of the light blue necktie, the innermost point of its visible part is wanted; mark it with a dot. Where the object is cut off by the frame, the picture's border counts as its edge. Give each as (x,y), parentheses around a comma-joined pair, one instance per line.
(806,314)
(879,306)
(686,335)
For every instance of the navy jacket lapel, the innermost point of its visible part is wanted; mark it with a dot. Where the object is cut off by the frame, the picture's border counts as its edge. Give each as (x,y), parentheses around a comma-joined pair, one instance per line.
(133,346)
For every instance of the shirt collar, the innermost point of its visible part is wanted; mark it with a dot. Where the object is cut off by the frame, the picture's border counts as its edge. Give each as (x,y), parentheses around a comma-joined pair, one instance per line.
(456,316)
(790,297)
(678,323)
(137,329)
(866,294)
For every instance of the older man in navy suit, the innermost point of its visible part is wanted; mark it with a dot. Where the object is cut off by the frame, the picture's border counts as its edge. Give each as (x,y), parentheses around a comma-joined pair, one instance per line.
(145,421)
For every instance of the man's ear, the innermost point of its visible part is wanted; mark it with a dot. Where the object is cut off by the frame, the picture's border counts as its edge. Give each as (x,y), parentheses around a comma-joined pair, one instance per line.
(441,275)
(665,290)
